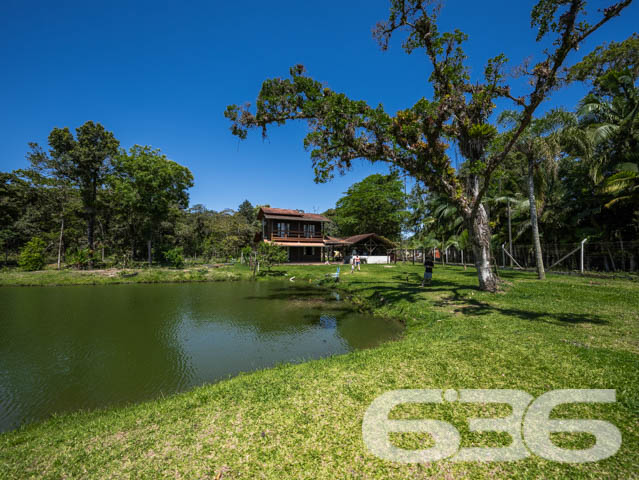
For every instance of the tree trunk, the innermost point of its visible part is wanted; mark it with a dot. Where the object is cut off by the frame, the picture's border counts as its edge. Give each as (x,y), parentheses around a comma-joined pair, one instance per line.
(149,250)
(539,259)
(479,230)
(90,234)
(60,243)
(103,240)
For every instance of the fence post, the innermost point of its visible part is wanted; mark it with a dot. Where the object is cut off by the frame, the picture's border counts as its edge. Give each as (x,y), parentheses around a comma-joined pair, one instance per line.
(503,256)
(581,262)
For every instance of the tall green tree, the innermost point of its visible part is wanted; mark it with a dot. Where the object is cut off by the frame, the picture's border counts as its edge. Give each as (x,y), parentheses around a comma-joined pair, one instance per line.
(612,56)
(247,210)
(374,205)
(193,228)
(85,161)
(540,146)
(149,186)
(417,139)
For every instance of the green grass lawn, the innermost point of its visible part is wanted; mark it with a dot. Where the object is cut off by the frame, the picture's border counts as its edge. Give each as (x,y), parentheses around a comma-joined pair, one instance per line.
(304,421)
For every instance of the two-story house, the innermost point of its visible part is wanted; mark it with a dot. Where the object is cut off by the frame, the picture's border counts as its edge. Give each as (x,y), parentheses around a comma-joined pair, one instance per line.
(302,234)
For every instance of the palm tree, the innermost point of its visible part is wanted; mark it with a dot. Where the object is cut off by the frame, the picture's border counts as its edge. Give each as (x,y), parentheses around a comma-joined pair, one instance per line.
(443,225)
(624,184)
(540,146)
(610,125)
(461,242)
(607,139)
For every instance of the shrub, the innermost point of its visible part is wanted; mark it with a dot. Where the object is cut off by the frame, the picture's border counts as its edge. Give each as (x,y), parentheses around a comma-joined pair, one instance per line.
(32,255)
(247,253)
(175,257)
(269,254)
(80,258)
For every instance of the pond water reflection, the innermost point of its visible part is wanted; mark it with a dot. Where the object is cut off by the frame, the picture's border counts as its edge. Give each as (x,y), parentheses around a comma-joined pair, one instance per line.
(66,348)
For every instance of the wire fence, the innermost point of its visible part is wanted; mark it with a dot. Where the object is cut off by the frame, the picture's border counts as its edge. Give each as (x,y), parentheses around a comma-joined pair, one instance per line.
(588,257)
(601,257)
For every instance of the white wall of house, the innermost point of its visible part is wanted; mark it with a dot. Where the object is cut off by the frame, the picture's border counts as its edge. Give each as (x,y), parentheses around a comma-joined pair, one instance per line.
(371,259)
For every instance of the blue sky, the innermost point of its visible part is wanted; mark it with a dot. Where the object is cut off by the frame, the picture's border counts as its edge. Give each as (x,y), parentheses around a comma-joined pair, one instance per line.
(161,73)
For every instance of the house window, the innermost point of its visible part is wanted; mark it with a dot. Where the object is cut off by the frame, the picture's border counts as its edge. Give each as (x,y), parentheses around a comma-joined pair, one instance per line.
(309,251)
(309,230)
(282,229)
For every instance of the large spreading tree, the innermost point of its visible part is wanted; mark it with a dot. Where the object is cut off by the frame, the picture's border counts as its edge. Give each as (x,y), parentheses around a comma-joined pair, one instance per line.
(148,185)
(418,138)
(376,204)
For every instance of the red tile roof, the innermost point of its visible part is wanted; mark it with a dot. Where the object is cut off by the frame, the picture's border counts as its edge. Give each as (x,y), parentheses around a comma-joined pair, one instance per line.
(282,211)
(298,214)
(315,216)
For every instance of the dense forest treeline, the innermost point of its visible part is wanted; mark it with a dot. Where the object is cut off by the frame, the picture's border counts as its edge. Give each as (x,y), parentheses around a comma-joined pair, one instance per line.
(91,203)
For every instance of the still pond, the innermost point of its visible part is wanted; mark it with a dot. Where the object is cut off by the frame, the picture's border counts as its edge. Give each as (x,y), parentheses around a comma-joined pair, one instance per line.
(83,347)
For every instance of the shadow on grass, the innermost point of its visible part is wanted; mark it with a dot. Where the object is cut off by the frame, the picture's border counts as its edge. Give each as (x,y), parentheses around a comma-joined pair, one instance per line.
(272,273)
(476,308)
(406,287)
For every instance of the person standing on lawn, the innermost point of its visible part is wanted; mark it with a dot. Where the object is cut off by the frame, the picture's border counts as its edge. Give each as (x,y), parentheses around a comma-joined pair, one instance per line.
(428,270)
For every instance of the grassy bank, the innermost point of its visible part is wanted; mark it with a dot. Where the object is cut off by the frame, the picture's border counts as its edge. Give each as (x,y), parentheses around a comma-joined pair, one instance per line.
(304,421)
(49,278)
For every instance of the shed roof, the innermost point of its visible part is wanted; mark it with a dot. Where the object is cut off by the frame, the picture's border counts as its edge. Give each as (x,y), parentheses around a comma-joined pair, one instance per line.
(358,238)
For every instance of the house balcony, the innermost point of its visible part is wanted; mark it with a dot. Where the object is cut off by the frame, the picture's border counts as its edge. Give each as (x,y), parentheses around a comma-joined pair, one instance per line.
(298,237)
